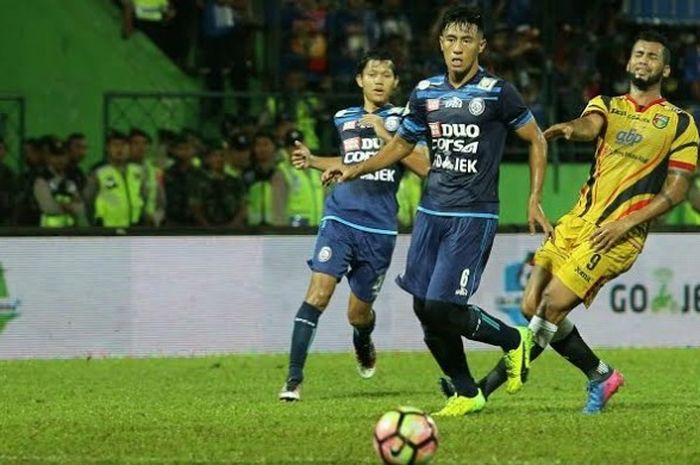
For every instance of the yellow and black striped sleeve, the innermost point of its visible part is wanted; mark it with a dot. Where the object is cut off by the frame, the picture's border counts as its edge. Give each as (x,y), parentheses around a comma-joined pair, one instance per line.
(599,104)
(683,154)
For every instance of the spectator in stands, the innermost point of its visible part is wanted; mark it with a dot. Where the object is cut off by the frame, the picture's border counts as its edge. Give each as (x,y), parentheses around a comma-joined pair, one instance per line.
(283,124)
(218,199)
(304,41)
(216,43)
(149,14)
(139,153)
(393,20)
(56,193)
(238,157)
(162,157)
(302,189)
(353,30)
(266,200)
(196,141)
(9,186)
(180,182)
(297,105)
(115,192)
(27,212)
(691,66)
(408,197)
(77,151)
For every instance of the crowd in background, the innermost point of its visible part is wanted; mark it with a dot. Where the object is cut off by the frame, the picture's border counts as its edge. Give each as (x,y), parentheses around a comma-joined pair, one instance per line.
(180,181)
(241,175)
(306,51)
(320,41)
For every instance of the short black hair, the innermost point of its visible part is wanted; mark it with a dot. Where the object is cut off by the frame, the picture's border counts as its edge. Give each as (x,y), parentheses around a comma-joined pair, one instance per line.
(74,136)
(462,16)
(378,55)
(57,147)
(650,35)
(136,132)
(114,134)
(265,133)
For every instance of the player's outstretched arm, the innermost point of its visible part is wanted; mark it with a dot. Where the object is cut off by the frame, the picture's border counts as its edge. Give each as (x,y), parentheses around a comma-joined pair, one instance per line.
(694,191)
(397,149)
(585,128)
(673,192)
(531,134)
(418,161)
(303,159)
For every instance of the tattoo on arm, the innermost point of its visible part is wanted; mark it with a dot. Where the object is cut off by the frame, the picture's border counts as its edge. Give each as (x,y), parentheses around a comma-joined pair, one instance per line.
(668,199)
(689,175)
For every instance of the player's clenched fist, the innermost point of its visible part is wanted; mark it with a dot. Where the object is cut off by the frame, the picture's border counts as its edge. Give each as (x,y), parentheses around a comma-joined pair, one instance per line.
(301,156)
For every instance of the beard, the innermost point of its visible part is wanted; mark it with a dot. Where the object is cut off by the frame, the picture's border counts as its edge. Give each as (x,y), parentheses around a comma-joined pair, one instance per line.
(645,83)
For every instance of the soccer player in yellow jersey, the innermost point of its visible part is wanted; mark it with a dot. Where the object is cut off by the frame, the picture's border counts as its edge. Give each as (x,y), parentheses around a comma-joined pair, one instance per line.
(646,152)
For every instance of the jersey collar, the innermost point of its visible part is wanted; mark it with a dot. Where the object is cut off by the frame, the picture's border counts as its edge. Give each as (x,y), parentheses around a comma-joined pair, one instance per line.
(477,76)
(384,107)
(641,108)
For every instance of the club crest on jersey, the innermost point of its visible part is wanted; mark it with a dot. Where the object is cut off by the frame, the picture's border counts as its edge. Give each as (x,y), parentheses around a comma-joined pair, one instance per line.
(660,121)
(432,104)
(392,123)
(477,106)
(486,83)
(454,102)
(325,254)
(351,144)
(349,125)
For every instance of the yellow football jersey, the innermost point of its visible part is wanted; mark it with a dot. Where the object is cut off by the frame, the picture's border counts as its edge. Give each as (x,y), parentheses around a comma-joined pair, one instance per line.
(636,148)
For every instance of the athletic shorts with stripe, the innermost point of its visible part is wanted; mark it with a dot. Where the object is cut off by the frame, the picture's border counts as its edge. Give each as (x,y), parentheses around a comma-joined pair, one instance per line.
(447,256)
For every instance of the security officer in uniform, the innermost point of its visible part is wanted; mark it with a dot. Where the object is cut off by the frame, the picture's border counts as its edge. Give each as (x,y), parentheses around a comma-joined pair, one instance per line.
(304,191)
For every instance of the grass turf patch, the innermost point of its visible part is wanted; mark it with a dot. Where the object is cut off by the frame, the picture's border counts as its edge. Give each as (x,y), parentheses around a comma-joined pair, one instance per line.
(225,410)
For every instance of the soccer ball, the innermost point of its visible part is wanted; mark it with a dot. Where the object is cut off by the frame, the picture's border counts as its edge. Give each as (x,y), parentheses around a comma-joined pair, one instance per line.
(406,436)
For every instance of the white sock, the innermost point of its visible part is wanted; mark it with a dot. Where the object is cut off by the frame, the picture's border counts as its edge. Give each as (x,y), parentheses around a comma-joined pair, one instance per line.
(565,327)
(542,330)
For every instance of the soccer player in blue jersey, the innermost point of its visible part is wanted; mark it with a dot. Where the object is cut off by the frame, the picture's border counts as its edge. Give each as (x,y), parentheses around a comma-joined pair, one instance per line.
(464,115)
(358,230)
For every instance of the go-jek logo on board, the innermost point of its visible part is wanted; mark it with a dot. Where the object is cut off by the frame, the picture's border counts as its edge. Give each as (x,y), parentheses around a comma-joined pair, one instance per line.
(8,307)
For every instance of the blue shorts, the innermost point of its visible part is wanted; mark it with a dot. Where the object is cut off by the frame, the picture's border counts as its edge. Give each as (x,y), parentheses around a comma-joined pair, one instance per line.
(447,256)
(363,257)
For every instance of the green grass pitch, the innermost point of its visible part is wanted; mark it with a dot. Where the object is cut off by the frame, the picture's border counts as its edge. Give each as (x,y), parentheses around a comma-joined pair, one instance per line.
(223,410)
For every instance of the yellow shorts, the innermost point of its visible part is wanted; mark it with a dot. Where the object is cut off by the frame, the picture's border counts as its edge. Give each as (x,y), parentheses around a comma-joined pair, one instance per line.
(571,258)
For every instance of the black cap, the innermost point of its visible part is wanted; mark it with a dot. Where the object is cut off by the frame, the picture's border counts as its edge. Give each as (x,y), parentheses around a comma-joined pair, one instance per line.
(240,141)
(292,136)
(56,147)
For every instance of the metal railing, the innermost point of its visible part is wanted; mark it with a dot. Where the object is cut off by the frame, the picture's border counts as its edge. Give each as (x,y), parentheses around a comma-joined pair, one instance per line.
(12,127)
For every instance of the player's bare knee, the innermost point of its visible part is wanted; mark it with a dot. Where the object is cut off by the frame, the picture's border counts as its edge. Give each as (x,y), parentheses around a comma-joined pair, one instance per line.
(360,317)
(319,297)
(550,307)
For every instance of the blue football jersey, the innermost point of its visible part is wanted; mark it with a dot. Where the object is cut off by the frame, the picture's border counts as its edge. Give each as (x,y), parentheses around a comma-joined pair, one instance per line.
(465,129)
(369,202)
